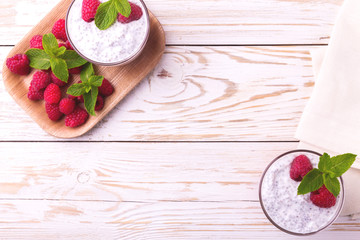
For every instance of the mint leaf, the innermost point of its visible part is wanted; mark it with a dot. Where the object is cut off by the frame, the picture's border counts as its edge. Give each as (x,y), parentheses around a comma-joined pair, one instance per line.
(50,44)
(338,165)
(123,7)
(87,87)
(59,68)
(90,100)
(324,159)
(59,51)
(86,72)
(38,58)
(72,59)
(312,181)
(332,184)
(96,80)
(106,14)
(76,90)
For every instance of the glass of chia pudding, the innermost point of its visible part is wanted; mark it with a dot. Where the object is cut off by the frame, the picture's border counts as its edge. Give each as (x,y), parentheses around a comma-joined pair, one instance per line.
(292,213)
(119,44)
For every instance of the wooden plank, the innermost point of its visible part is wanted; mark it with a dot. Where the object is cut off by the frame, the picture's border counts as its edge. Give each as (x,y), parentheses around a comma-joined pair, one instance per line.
(139,191)
(199,93)
(147,172)
(43,219)
(206,22)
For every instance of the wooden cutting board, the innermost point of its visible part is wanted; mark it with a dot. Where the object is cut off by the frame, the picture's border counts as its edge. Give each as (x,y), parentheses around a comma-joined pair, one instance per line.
(123,78)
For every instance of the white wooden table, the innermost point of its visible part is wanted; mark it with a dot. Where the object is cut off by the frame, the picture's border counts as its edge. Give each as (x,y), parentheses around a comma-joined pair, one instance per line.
(182,155)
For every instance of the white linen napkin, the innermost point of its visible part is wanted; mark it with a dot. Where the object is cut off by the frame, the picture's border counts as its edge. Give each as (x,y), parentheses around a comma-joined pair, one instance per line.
(331,120)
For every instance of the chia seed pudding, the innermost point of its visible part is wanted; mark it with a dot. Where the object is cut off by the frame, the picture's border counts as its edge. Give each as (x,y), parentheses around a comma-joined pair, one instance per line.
(118,44)
(292,213)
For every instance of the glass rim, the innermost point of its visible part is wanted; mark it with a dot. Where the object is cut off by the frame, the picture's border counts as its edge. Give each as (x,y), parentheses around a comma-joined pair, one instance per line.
(336,215)
(118,63)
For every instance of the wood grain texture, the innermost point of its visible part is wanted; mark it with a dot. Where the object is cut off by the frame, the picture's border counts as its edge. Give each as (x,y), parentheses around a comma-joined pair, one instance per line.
(123,78)
(199,93)
(145,172)
(96,189)
(140,191)
(207,21)
(44,219)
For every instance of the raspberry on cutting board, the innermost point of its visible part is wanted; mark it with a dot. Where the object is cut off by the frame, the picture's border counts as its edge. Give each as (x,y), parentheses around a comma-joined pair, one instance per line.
(59,30)
(36,42)
(75,70)
(18,64)
(67,106)
(40,80)
(80,99)
(106,89)
(99,103)
(35,95)
(52,94)
(53,111)
(77,118)
(66,44)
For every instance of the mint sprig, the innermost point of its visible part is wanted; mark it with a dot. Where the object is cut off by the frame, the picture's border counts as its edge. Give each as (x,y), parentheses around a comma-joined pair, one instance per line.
(88,87)
(329,169)
(39,59)
(107,12)
(58,58)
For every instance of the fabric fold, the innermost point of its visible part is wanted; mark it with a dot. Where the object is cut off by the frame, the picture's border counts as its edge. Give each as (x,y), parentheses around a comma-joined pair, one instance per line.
(331,119)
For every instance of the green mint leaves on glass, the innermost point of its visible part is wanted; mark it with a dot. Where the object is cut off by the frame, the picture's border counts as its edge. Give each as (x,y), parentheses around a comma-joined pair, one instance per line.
(329,169)
(88,87)
(58,58)
(108,11)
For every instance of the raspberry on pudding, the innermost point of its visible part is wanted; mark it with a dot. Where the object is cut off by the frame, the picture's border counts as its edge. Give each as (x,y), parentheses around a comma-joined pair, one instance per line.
(300,166)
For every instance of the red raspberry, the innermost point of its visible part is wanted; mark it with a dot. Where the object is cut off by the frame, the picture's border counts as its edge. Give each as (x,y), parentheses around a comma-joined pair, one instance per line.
(99,103)
(72,97)
(67,106)
(80,99)
(76,118)
(76,70)
(56,80)
(88,9)
(300,167)
(135,14)
(106,89)
(62,44)
(52,94)
(53,111)
(323,198)
(36,42)
(68,45)
(35,94)
(40,80)
(59,30)
(18,64)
